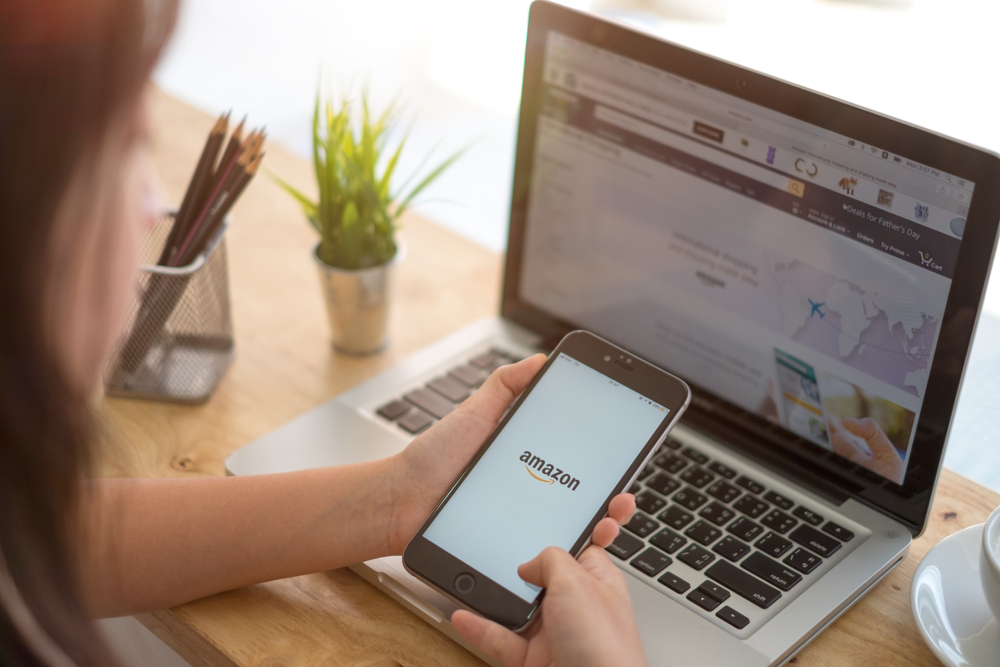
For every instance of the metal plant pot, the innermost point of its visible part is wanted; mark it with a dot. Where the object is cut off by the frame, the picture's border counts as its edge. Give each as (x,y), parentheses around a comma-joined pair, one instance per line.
(357,302)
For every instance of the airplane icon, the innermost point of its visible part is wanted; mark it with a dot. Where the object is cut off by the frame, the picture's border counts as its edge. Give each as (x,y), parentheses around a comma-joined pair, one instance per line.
(816,308)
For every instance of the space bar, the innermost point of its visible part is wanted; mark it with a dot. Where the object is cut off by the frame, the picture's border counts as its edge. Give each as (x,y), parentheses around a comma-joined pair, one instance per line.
(744,584)
(432,403)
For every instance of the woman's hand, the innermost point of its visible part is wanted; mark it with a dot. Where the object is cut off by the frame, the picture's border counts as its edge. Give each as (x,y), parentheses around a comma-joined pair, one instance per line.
(586,616)
(424,471)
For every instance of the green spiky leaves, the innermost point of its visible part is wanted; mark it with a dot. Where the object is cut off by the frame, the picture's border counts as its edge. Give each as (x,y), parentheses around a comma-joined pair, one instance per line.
(357,209)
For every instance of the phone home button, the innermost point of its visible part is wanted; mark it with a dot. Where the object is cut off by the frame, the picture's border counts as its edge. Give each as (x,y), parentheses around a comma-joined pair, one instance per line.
(464,583)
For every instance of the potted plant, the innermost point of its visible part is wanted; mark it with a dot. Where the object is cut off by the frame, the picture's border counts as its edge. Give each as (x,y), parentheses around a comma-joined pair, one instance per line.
(356,217)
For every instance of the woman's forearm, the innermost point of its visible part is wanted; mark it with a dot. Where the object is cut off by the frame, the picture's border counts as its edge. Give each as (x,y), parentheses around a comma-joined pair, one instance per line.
(156,543)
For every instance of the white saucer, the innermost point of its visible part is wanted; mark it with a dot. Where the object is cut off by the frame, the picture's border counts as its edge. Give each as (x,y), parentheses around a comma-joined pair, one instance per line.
(948,603)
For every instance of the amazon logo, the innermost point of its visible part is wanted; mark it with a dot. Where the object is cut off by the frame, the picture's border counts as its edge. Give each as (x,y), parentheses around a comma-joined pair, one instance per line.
(549,473)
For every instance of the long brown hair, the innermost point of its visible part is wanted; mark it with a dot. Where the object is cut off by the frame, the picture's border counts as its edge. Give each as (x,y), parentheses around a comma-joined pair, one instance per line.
(68,70)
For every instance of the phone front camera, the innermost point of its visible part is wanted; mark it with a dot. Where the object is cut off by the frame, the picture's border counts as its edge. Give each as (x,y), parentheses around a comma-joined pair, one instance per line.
(629,360)
(607,358)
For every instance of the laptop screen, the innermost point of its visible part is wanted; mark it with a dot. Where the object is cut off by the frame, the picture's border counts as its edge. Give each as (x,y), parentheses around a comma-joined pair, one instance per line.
(797,273)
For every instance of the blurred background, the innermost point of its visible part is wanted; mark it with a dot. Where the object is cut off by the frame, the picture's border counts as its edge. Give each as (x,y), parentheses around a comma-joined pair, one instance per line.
(457,64)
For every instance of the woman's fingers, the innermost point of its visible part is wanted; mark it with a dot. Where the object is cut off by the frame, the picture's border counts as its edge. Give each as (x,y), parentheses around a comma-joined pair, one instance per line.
(605,532)
(621,508)
(542,568)
(494,640)
(619,512)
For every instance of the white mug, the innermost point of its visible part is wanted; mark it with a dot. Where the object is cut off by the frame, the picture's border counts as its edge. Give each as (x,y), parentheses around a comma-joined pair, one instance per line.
(989,562)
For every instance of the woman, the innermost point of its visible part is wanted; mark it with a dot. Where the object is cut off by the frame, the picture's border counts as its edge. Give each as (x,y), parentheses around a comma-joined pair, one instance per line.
(78,194)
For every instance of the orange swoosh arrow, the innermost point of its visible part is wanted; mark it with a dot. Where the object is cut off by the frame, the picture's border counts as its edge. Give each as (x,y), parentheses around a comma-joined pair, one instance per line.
(540,479)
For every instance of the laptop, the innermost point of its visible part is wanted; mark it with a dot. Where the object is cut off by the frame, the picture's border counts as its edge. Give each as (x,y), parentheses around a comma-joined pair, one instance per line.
(812,269)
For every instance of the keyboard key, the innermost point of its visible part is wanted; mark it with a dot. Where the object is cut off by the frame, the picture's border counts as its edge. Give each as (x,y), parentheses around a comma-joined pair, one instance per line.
(718,514)
(697,477)
(779,521)
(689,499)
(773,545)
(651,562)
(667,540)
(500,352)
(733,617)
(704,601)
(727,493)
(646,472)
(487,360)
(751,506)
(641,525)
(427,400)
(635,489)
(731,548)
(674,583)
(812,539)
(722,470)
(837,531)
(779,500)
(803,561)
(695,455)
(671,463)
(743,584)
(771,571)
(665,484)
(807,515)
(469,375)
(695,556)
(450,388)
(750,485)
(676,517)
(624,546)
(649,502)
(394,410)
(415,421)
(713,591)
(672,444)
(745,529)
(702,533)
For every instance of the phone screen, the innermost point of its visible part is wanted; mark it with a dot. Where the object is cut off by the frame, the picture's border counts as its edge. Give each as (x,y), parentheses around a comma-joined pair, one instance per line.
(547,473)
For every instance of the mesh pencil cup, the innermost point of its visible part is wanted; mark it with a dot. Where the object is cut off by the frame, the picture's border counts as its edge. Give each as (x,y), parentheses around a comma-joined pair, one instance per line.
(178,337)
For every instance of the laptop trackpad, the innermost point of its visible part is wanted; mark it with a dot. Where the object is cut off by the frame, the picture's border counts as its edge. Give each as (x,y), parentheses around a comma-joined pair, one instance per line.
(331,434)
(672,634)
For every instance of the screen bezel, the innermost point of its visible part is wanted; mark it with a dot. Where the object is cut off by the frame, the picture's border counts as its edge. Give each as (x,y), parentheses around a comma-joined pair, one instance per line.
(431,563)
(835,477)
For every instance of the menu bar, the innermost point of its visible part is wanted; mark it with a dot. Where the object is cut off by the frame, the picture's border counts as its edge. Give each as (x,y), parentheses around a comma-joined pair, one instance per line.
(838,213)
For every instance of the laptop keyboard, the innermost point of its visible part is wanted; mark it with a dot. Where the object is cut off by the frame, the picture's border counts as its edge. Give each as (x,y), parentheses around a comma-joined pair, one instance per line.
(702,530)
(711,535)
(420,408)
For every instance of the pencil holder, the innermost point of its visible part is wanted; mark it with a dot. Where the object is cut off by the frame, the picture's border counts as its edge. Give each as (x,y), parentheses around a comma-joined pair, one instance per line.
(178,338)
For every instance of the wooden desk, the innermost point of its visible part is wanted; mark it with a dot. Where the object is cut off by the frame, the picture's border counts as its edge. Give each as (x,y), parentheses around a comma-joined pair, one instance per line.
(285,365)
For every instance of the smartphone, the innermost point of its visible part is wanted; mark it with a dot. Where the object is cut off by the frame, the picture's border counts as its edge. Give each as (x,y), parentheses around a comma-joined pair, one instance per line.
(580,434)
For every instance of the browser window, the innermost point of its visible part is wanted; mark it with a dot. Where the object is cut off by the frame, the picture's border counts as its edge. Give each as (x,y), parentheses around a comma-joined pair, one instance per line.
(795,272)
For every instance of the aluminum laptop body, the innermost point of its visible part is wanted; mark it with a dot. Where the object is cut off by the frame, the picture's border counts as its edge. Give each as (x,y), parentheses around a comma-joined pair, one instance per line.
(813,270)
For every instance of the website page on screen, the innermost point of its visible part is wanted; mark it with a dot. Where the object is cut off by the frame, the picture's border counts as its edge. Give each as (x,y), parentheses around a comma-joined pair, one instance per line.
(547,473)
(798,273)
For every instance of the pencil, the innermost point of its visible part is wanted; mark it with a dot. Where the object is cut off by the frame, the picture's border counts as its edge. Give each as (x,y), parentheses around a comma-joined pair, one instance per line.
(202,172)
(192,229)
(234,146)
(226,196)
(230,193)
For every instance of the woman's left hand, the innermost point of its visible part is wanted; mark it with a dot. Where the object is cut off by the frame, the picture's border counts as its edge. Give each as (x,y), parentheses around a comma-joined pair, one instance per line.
(426,469)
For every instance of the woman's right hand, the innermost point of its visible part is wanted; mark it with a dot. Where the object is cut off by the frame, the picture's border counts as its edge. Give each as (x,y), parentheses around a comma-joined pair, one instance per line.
(586,616)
